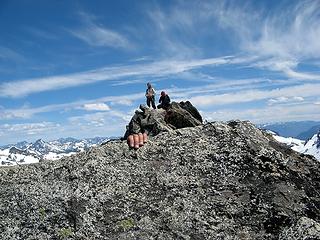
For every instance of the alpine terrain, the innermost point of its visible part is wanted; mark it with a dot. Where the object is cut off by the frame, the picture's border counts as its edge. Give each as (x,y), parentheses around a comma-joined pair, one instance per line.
(25,152)
(310,146)
(219,180)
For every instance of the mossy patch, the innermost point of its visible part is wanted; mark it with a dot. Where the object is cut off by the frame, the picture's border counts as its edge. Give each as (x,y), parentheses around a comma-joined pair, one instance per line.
(126,224)
(42,213)
(64,233)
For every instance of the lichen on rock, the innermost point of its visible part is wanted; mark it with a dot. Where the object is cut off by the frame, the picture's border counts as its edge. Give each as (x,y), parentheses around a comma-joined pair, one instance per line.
(151,121)
(219,180)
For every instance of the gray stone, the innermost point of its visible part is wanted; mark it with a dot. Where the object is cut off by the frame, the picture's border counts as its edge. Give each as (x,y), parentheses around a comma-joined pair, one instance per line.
(151,121)
(304,229)
(183,114)
(213,181)
(191,109)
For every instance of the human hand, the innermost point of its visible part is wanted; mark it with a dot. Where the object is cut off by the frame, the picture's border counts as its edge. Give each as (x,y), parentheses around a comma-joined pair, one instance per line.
(137,140)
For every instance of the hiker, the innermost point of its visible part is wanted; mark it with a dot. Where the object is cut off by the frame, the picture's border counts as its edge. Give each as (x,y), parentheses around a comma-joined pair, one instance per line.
(164,101)
(150,95)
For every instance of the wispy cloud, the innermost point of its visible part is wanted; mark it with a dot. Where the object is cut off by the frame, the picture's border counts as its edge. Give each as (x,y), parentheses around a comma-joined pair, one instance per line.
(124,102)
(29,112)
(282,40)
(97,35)
(205,96)
(78,128)
(28,128)
(279,40)
(282,100)
(40,33)
(153,69)
(8,54)
(166,24)
(96,107)
(266,114)
(111,123)
(256,95)
(292,33)
(176,93)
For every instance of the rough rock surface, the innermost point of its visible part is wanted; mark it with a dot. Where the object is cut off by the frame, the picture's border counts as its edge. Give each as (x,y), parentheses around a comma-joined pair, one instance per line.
(178,115)
(213,181)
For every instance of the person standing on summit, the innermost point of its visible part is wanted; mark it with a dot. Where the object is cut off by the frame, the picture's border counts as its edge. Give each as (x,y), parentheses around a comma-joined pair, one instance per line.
(150,95)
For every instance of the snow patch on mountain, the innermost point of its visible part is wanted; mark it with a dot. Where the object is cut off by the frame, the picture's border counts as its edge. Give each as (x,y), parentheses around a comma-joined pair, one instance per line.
(40,150)
(311,146)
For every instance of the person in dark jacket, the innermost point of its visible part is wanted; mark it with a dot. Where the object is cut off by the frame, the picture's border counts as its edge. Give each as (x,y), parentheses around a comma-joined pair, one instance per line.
(164,101)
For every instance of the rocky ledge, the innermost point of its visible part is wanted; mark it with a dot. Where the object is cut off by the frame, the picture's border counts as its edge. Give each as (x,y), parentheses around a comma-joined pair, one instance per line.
(212,181)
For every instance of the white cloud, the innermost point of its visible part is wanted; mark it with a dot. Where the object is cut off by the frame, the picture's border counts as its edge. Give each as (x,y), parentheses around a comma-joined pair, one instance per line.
(278,100)
(124,102)
(102,117)
(285,33)
(269,114)
(279,40)
(80,128)
(96,107)
(8,54)
(111,123)
(292,32)
(282,39)
(283,99)
(222,92)
(40,33)
(129,99)
(28,112)
(255,95)
(99,36)
(154,69)
(299,99)
(28,128)
(96,35)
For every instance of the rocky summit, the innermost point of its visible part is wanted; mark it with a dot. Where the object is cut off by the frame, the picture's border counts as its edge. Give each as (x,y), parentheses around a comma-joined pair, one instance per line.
(212,181)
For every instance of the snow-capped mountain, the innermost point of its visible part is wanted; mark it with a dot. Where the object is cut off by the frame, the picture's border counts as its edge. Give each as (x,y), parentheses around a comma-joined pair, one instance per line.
(303,130)
(25,152)
(311,146)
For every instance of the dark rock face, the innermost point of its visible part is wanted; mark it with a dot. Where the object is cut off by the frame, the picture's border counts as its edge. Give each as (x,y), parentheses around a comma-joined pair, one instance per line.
(183,114)
(178,115)
(191,109)
(213,181)
(16,150)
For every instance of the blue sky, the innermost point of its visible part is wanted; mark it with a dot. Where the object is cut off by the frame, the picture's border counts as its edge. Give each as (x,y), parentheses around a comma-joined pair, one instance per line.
(79,68)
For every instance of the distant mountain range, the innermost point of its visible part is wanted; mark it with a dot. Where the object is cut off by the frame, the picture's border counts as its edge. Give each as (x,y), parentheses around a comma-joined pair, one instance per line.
(303,137)
(303,130)
(25,152)
(310,147)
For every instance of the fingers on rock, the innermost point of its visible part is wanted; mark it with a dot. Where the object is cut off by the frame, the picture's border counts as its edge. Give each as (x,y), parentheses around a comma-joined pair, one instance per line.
(131,141)
(145,138)
(140,139)
(136,141)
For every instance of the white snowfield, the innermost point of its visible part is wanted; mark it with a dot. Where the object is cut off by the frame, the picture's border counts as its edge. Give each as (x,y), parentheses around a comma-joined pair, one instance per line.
(26,153)
(311,146)
(7,158)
